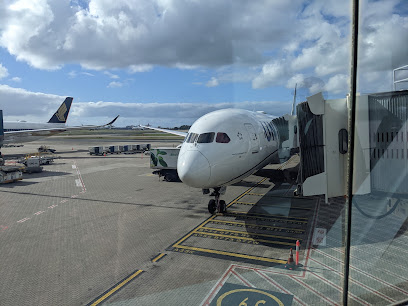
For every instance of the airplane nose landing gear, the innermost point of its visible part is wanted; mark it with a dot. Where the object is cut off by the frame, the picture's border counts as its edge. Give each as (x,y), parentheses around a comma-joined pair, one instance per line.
(216,204)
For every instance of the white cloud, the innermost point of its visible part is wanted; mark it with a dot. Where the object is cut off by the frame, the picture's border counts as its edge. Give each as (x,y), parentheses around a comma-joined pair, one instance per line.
(3,71)
(111,75)
(140,35)
(212,83)
(16,79)
(16,102)
(272,73)
(280,38)
(339,83)
(320,48)
(140,68)
(115,84)
(74,74)
(87,73)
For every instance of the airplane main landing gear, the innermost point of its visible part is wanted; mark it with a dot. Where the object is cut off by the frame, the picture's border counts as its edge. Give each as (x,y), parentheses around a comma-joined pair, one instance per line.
(217,204)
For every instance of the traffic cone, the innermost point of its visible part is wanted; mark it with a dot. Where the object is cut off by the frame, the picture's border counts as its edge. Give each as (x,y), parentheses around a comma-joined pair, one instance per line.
(291,263)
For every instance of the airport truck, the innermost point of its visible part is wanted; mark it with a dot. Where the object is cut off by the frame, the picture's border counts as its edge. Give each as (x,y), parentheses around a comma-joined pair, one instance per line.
(99,150)
(9,174)
(164,161)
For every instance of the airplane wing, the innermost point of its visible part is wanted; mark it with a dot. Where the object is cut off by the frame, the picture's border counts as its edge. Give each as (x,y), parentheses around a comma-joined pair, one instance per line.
(184,134)
(15,135)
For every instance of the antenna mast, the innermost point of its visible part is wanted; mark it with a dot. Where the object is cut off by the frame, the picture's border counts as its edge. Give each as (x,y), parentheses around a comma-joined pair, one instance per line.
(294,101)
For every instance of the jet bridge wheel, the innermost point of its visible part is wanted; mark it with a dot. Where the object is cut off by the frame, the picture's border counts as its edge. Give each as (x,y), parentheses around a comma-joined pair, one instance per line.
(212,206)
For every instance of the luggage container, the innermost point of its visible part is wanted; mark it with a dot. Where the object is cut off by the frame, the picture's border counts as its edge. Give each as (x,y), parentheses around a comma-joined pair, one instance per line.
(114,149)
(32,165)
(145,147)
(96,150)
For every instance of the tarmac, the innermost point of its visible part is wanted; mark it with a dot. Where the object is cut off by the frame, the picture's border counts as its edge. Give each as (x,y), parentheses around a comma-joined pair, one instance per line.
(93,230)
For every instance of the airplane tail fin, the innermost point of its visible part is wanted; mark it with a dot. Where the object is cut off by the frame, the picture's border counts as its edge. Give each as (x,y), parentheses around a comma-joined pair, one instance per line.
(61,115)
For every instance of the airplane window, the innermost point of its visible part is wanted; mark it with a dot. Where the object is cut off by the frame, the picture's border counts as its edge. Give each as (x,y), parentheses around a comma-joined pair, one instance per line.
(206,137)
(222,138)
(192,137)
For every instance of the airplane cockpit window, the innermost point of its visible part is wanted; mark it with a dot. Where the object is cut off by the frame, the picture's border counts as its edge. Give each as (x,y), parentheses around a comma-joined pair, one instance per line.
(206,138)
(222,138)
(192,137)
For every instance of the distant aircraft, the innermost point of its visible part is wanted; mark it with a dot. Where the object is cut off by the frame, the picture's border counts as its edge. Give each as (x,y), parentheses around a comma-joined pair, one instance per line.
(21,131)
(138,128)
(226,146)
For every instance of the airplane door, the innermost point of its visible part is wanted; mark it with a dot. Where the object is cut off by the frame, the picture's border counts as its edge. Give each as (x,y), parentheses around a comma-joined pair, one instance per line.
(253,137)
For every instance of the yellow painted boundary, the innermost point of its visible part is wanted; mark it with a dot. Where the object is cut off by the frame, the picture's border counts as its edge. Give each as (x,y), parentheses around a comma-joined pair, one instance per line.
(299,219)
(177,244)
(244,238)
(232,254)
(250,234)
(260,225)
(158,257)
(116,288)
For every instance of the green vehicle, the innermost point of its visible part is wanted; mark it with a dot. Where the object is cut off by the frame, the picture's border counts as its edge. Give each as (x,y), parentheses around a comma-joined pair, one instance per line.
(164,160)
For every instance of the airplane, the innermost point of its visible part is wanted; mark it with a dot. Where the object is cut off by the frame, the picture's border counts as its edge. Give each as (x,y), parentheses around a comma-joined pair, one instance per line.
(21,131)
(224,147)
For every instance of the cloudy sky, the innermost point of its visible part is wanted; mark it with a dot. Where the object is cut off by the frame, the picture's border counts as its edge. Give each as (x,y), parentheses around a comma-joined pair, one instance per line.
(167,62)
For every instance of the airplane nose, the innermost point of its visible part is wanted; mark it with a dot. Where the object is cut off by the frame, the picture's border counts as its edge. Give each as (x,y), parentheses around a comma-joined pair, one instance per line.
(193,169)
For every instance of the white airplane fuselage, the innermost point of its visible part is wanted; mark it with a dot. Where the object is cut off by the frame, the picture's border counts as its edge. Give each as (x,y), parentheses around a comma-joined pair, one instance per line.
(252,142)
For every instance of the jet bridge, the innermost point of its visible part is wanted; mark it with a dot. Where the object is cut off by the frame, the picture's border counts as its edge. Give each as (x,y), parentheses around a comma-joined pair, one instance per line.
(381,150)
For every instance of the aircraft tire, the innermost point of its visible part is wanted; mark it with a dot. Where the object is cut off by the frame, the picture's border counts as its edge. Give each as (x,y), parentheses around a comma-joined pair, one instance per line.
(212,207)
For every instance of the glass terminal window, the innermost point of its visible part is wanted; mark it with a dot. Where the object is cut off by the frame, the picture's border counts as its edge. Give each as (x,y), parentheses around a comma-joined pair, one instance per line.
(222,138)
(206,138)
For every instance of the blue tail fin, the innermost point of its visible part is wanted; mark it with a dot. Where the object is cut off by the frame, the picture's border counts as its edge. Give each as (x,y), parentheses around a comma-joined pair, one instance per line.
(61,114)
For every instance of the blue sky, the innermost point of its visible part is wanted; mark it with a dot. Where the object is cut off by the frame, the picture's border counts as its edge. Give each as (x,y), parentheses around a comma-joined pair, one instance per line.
(132,57)
(161,84)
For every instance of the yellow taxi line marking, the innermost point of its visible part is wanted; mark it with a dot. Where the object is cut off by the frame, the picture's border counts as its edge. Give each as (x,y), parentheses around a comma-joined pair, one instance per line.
(267,215)
(232,254)
(158,257)
(242,232)
(245,203)
(243,238)
(213,216)
(260,225)
(246,192)
(116,288)
(192,232)
(274,205)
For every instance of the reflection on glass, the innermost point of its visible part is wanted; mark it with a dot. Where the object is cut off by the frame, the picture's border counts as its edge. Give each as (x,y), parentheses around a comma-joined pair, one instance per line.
(380,182)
